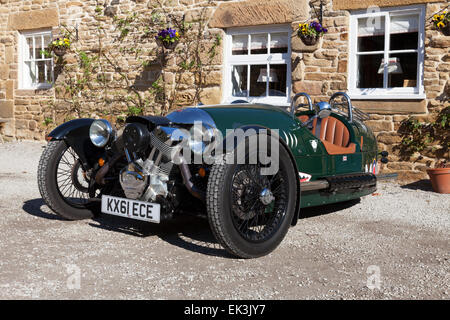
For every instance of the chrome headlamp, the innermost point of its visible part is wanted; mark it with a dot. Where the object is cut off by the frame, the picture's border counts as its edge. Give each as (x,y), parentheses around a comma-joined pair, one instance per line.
(100,133)
(200,137)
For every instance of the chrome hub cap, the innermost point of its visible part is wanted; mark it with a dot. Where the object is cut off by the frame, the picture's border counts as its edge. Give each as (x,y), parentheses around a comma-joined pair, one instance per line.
(266,196)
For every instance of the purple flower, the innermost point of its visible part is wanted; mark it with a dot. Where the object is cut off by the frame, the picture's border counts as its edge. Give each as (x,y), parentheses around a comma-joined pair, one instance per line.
(317,27)
(167,35)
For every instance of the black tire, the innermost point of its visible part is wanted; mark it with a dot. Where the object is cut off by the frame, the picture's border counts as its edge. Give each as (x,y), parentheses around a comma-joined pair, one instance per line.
(50,190)
(222,214)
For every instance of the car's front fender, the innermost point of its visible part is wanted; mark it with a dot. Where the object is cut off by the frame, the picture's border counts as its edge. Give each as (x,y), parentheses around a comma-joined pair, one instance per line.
(76,134)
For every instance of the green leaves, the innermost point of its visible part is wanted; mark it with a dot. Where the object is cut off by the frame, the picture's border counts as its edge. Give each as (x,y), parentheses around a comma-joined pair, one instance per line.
(418,136)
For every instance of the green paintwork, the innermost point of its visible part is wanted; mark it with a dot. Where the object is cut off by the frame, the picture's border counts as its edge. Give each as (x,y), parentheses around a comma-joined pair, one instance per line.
(318,163)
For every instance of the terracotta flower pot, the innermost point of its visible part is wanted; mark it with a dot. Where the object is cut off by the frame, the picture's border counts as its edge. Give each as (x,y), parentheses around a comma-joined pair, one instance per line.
(440,179)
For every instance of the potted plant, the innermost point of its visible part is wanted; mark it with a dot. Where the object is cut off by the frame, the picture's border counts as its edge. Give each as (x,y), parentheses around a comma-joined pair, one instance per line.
(168,38)
(440,177)
(311,32)
(431,139)
(442,22)
(59,46)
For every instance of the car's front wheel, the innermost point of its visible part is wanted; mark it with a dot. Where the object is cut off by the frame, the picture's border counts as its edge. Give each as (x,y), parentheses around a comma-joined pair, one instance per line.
(250,213)
(63,183)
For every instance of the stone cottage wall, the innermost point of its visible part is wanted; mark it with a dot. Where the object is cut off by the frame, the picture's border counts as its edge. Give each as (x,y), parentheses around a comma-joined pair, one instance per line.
(23,111)
(320,70)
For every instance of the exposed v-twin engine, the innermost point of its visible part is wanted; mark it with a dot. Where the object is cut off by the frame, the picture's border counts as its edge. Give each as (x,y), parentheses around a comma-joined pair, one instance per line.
(145,179)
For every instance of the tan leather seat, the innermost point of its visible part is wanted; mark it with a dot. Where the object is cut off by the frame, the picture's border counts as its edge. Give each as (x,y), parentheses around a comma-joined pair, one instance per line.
(303,118)
(333,134)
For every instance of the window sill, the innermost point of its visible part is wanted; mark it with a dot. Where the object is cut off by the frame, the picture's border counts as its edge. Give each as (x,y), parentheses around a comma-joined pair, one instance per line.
(35,91)
(355,96)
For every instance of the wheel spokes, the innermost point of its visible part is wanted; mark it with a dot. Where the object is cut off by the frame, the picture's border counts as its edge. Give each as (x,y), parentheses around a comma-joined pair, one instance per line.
(255,213)
(70,179)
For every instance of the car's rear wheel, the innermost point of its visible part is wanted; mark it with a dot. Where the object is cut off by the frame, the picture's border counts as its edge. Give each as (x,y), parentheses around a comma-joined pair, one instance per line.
(63,183)
(250,213)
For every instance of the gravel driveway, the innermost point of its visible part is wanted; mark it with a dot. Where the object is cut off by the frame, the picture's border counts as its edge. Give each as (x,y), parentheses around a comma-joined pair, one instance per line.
(394,244)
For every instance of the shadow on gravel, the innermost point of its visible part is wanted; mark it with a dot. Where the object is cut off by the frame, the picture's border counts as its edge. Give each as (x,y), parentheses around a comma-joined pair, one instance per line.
(188,232)
(424,185)
(33,207)
(327,209)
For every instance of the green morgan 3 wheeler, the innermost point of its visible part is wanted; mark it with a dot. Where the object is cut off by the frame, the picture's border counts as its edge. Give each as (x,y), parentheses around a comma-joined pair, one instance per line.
(248,168)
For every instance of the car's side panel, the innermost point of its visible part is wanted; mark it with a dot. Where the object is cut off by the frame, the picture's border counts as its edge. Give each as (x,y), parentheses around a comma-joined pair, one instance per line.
(289,129)
(310,154)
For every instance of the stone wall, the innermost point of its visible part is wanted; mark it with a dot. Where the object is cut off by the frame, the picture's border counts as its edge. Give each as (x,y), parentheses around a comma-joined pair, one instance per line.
(23,111)
(319,70)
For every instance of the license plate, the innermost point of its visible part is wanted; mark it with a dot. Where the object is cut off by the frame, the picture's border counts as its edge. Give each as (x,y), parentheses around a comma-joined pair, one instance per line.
(133,209)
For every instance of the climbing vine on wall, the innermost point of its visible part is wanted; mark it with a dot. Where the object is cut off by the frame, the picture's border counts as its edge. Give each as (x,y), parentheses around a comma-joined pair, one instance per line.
(119,69)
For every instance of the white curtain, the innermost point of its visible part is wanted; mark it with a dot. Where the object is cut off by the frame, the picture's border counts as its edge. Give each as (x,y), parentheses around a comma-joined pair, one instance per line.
(259,41)
(399,24)
(279,40)
(405,23)
(371,26)
(240,42)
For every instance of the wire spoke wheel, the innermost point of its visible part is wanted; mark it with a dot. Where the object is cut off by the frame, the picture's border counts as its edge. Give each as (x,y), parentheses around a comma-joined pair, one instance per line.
(71,179)
(251,205)
(258,202)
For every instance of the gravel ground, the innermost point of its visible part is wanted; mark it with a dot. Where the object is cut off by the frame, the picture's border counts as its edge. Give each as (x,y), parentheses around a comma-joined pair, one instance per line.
(400,233)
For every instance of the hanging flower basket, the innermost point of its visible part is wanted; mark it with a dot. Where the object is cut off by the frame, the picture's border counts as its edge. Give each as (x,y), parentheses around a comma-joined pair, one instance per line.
(168,38)
(441,22)
(446,30)
(310,33)
(168,45)
(309,40)
(59,51)
(59,46)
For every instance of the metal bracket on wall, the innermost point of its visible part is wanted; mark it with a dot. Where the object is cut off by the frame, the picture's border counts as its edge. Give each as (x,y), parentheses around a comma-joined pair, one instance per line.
(318,11)
(75,30)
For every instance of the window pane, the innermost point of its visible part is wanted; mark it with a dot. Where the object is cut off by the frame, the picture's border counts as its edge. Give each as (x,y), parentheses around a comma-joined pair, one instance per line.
(279,42)
(41,72)
(240,45)
(47,41)
(258,80)
(404,32)
(30,73)
(370,75)
(277,80)
(239,81)
(28,50)
(38,47)
(259,43)
(402,70)
(371,34)
(49,71)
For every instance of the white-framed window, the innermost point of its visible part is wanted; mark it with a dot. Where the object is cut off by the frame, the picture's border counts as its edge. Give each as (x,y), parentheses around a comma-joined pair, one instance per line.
(35,69)
(257,65)
(387,53)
